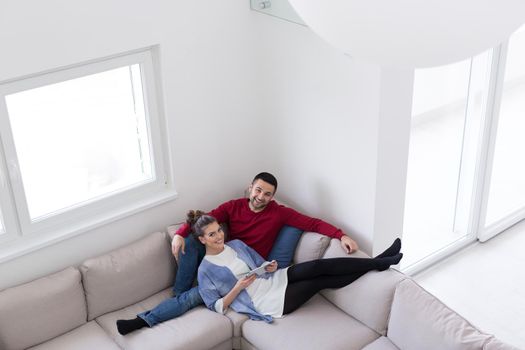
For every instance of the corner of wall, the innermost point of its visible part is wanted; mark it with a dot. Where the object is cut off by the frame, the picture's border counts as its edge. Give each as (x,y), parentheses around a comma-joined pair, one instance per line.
(392,155)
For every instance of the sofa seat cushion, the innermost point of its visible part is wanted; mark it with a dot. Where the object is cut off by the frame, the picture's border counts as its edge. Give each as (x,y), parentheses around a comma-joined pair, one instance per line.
(128,275)
(198,328)
(382,343)
(316,325)
(237,320)
(40,310)
(87,337)
(418,320)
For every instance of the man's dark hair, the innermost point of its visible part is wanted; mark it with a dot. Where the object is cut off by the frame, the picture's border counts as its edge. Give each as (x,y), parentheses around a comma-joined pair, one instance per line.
(266,177)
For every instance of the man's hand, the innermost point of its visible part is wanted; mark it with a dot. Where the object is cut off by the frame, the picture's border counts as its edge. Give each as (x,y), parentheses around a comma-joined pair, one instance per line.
(177,244)
(349,245)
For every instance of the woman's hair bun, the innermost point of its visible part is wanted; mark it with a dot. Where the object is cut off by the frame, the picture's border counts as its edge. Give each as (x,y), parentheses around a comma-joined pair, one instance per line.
(193,216)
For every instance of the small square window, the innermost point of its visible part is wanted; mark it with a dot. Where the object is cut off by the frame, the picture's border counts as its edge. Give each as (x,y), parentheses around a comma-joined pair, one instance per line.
(82,146)
(80,139)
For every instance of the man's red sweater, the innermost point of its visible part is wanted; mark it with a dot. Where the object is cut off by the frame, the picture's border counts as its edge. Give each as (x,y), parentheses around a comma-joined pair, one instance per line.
(259,230)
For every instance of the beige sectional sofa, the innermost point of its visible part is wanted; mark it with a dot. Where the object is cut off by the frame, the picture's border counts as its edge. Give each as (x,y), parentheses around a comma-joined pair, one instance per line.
(76,309)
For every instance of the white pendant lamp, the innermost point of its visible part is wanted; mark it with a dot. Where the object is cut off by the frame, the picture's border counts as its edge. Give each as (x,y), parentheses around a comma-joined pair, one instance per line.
(412,33)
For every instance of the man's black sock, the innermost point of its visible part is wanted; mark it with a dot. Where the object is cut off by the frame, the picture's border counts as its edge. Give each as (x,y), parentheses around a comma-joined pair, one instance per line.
(127,326)
(393,250)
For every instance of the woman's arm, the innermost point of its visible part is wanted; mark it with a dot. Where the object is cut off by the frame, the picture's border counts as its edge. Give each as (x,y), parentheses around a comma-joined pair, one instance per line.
(207,290)
(234,292)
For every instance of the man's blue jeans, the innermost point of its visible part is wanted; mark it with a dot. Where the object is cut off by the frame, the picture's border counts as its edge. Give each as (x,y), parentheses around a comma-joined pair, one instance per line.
(185,297)
(172,307)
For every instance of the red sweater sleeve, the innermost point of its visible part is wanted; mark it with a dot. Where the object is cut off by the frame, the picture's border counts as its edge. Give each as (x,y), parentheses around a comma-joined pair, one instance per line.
(184,230)
(221,213)
(306,223)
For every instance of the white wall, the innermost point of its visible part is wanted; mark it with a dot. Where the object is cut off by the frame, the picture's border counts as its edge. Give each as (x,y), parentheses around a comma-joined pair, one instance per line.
(210,98)
(324,111)
(340,132)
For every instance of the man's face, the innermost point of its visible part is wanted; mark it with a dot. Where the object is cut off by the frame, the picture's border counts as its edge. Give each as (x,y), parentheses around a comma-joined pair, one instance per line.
(261,193)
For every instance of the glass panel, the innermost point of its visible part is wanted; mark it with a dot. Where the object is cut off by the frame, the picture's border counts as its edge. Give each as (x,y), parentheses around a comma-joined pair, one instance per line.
(507,185)
(80,139)
(438,120)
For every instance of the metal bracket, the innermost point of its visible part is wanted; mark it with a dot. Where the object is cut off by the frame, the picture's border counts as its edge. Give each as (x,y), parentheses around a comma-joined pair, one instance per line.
(277,8)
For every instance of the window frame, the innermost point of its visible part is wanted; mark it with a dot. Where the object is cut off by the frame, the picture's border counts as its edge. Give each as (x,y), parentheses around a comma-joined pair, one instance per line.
(24,234)
(489,230)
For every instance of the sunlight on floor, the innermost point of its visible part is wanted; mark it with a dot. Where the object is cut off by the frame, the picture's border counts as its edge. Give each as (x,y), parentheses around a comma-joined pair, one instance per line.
(484,283)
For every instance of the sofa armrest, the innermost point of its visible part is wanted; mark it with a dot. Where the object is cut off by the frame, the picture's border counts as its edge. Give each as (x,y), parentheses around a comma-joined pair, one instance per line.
(369,298)
(419,320)
(495,344)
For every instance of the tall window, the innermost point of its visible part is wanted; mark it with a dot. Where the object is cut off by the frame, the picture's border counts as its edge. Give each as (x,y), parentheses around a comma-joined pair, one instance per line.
(507,185)
(80,142)
(466,180)
(436,142)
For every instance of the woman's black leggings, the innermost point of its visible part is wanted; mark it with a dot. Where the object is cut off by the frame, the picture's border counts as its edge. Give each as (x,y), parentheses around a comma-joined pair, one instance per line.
(308,278)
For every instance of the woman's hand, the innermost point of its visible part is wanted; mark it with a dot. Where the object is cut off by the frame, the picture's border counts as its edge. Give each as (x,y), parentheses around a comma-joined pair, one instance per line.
(241,284)
(245,282)
(272,267)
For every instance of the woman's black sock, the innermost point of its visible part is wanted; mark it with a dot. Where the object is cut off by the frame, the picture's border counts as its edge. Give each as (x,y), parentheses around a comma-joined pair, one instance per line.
(385,262)
(394,249)
(127,326)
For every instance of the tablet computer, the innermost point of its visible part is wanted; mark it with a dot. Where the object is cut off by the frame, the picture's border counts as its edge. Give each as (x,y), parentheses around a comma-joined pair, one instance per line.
(259,270)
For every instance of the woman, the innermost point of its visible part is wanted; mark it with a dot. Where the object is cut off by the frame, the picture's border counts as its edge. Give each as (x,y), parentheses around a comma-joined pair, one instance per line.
(225,281)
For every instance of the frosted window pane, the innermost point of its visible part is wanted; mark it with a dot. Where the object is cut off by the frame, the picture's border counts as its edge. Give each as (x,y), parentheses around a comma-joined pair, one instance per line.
(80,139)
(507,185)
(438,119)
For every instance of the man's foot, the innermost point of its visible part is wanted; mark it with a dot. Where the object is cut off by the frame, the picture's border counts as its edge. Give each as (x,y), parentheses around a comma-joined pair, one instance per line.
(393,250)
(127,326)
(386,262)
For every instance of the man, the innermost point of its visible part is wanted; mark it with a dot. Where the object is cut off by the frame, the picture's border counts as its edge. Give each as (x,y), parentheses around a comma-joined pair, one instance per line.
(256,221)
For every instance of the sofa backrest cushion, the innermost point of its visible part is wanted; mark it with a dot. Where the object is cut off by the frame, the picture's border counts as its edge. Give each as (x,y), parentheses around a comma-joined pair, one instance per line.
(40,310)
(418,320)
(311,246)
(128,275)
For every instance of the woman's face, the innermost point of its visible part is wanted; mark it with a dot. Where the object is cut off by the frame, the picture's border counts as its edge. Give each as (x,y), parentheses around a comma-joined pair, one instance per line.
(213,237)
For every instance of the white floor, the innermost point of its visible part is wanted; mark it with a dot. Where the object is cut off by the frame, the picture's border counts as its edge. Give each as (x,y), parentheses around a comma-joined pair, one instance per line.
(485,283)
